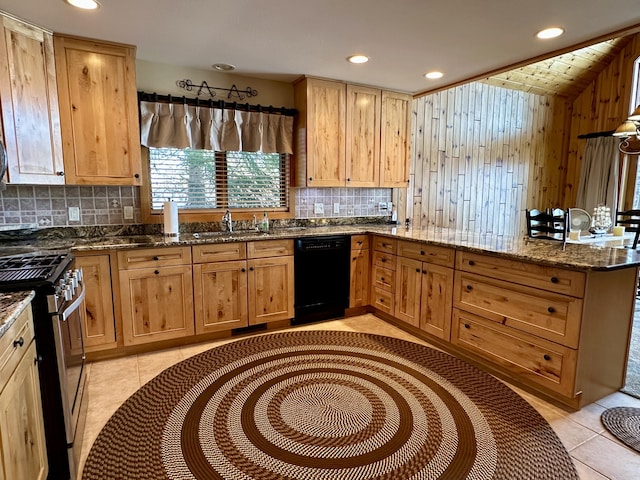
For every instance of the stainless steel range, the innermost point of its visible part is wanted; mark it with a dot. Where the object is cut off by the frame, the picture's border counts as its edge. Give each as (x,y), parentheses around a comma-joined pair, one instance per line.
(57,313)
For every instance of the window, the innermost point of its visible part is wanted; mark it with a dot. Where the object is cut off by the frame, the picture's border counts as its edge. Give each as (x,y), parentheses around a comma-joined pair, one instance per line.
(204,179)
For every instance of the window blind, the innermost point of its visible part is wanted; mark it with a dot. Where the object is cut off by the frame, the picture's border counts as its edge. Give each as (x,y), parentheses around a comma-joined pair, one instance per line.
(204,179)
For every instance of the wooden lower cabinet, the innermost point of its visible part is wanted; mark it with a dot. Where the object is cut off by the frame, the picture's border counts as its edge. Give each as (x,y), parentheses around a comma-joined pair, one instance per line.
(271,293)
(22,442)
(98,320)
(157,303)
(359,272)
(220,296)
(424,296)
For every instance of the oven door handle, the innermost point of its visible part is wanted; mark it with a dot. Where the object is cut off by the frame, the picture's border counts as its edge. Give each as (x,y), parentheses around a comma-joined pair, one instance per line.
(66,313)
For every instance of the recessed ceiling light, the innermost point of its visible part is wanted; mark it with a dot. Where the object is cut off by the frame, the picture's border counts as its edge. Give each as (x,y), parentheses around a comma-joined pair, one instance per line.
(83,4)
(552,32)
(223,67)
(358,59)
(434,75)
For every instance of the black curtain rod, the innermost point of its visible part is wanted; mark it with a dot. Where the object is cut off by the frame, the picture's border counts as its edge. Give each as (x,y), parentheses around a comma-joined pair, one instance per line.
(245,107)
(597,134)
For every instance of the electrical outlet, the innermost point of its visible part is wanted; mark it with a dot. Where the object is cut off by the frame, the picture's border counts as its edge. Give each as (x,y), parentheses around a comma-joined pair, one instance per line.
(336,208)
(318,208)
(74,214)
(382,206)
(389,206)
(128,212)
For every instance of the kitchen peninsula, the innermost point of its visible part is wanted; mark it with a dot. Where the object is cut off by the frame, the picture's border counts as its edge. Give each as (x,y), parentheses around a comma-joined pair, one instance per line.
(550,319)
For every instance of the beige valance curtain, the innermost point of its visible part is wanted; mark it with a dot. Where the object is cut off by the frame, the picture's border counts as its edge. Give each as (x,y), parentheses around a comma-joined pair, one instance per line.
(168,125)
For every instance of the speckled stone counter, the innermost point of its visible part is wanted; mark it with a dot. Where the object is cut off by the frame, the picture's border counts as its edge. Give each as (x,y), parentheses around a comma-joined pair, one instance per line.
(11,305)
(604,255)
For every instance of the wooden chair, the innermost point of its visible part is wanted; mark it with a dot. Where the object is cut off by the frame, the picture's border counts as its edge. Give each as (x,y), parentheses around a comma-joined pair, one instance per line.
(550,224)
(630,219)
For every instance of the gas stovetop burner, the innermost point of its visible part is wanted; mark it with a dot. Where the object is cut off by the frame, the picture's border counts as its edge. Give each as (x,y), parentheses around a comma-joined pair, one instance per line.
(36,267)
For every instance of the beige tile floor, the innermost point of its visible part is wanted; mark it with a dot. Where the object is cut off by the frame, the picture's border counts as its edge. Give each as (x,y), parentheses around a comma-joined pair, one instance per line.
(596,453)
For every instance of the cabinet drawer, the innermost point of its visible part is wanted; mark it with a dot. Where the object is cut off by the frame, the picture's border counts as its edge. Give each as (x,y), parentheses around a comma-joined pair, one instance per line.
(219,252)
(548,278)
(382,300)
(427,253)
(359,242)
(545,314)
(532,359)
(11,354)
(383,244)
(384,278)
(385,260)
(154,257)
(269,248)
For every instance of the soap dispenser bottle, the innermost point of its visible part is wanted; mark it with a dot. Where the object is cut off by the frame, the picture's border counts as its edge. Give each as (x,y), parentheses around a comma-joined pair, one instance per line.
(265,222)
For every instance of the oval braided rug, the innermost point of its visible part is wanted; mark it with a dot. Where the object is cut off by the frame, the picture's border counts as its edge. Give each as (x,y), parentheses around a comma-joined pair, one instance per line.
(624,423)
(326,405)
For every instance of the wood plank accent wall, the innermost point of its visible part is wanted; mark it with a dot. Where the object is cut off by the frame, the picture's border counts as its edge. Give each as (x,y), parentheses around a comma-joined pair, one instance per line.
(601,107)
(481,155)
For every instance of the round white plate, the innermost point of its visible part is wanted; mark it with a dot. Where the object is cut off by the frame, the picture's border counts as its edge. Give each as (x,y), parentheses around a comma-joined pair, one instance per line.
(579,219)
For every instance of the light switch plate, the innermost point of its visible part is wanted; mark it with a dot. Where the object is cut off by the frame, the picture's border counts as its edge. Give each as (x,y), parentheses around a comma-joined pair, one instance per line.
(318,208)
(128,212)
(336,208)
(74,214)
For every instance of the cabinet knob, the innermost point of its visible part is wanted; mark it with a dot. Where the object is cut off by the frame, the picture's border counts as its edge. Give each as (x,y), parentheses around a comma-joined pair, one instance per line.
(551,309)
(18,343)
(157,272)
(383,260)
(547,357)
(382,279)
(136,175)
(37,359)
(469,288)
(471,263)
(60,174)
(310,178)
(466,325)
(421,252)
(424,272)
(348,179)
(554,279)
(243,270)
(155,257)
(382,300)
(251,269)
(417,270)
(354,259)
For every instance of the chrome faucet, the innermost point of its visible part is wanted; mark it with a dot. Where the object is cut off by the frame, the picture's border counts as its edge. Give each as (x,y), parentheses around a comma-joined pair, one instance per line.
(226,218)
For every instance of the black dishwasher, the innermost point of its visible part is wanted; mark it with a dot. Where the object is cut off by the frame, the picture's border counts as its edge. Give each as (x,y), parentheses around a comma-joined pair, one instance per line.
(321,277)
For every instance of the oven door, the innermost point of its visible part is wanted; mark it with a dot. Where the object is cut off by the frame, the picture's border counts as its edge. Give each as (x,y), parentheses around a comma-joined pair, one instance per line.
(67,328)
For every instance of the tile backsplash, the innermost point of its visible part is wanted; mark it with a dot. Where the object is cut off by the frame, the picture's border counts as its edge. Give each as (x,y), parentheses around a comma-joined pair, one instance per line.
(48,206)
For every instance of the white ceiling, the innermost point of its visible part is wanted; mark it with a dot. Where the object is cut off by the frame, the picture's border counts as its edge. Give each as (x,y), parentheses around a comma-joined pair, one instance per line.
(282,39)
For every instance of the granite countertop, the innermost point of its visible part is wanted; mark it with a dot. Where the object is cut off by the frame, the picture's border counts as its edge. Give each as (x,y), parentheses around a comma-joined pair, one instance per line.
(11,305)
(610,253)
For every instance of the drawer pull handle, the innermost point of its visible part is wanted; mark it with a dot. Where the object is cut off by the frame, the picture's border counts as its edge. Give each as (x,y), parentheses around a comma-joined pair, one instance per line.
(471,263)
(157,272)
(466,325)
(383,260)
(382,300)
(382,279)
(18,343)
(554,279)
(354,259)
(359,242)
(547,357)
(155,257)
(551,310)
(469,288)
(421,252)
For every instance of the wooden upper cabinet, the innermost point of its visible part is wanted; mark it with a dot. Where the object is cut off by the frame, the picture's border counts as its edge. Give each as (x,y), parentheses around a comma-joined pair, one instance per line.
(394,139)
(98,111)
(320,151)
(363,136)
(29,102)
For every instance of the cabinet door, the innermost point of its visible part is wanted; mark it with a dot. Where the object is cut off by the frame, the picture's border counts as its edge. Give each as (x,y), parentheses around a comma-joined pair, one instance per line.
(408,290)
(363,136)
(220,296)
(270,289)
(98,111)
(436,300)
(394,140)
(21,427)
(359,288)
(325,153)
(29,100)
(157,304)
